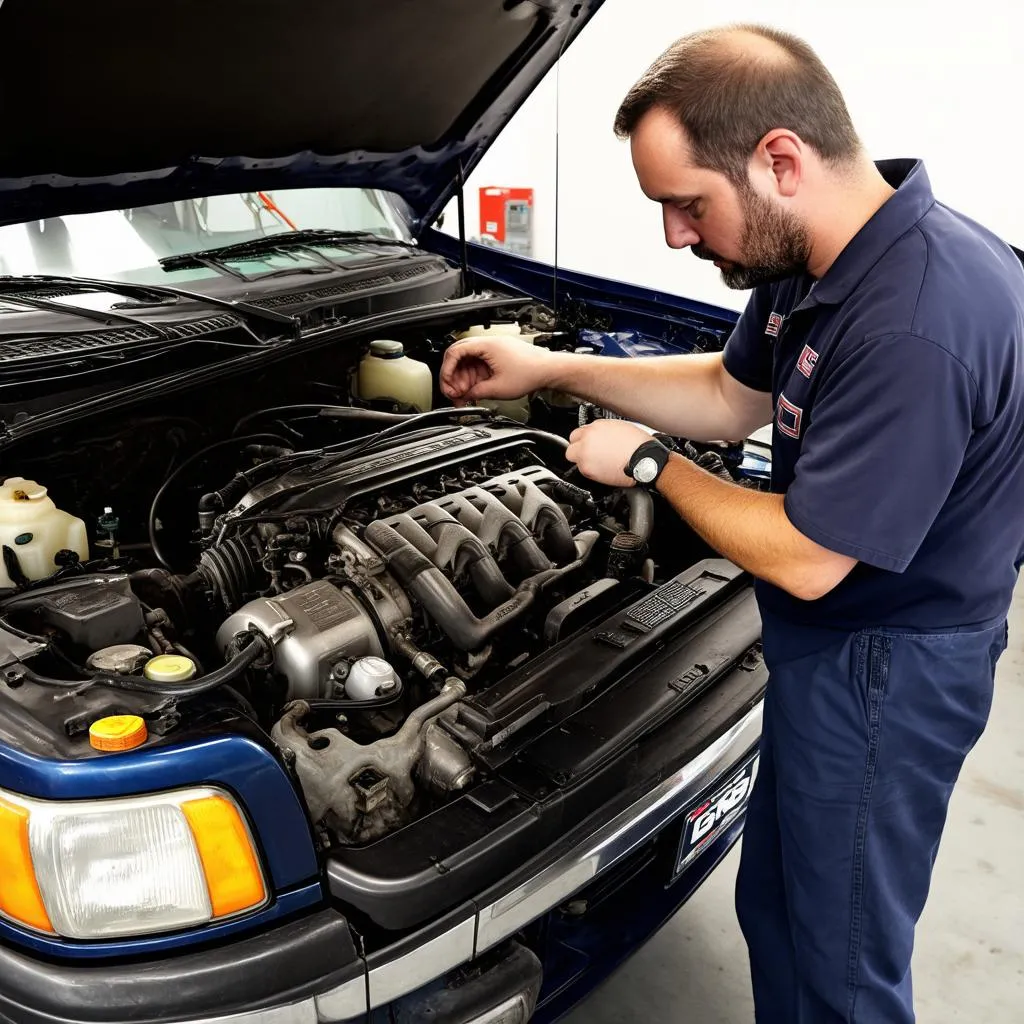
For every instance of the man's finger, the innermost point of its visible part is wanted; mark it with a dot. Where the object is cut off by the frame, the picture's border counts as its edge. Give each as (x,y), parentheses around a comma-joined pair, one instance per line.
(449,370)
(458,375)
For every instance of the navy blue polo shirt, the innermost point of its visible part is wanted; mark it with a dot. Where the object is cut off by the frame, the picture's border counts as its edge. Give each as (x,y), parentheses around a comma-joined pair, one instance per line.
(898,437)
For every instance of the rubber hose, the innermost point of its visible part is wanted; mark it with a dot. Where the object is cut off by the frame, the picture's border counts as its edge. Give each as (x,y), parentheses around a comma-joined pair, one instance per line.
(139,684)
(641,512)
(191,461)
(342,412)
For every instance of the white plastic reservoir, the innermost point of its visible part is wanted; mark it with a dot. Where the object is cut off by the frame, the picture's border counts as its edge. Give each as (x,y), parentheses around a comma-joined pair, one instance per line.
(387,372)
(513,408)
(35,529)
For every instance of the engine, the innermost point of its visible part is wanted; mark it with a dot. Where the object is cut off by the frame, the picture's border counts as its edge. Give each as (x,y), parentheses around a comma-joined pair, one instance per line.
(469,563)
(355,597)
(390,581)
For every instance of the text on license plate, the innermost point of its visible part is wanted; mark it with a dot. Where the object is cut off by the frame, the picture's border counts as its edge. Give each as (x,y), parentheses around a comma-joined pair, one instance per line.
(715,812)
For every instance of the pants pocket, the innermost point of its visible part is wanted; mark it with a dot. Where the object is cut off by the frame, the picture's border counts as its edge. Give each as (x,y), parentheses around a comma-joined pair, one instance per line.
(939,689)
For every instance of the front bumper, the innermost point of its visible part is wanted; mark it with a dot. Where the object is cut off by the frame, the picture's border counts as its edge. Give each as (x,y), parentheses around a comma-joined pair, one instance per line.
(309,972)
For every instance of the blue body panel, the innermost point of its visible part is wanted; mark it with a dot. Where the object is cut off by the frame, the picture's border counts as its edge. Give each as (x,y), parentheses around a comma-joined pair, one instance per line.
(673,323)
(234,763)
(285,904)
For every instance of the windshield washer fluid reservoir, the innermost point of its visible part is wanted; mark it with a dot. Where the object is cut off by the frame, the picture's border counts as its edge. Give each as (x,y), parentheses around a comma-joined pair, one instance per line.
(387,372)
(35,529)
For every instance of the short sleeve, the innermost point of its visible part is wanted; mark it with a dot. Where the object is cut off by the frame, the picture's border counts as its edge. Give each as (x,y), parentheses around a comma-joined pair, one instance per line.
(886,440)
(748,351)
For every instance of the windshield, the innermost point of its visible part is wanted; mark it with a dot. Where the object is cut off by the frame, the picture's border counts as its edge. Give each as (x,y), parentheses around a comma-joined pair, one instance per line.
(127,245)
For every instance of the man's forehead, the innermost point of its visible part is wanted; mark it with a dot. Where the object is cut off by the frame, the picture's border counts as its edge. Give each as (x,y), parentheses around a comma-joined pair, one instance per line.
(663,159)
(660,130)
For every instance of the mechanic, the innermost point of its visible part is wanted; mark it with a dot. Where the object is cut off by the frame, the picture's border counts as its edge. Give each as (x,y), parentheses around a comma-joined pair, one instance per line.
(884,339)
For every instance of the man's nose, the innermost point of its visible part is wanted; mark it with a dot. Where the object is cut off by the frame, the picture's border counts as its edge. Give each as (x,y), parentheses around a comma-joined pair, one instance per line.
(679,233)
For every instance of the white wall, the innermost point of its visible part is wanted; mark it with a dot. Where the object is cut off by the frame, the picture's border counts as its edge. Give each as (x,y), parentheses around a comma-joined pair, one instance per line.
(941,86)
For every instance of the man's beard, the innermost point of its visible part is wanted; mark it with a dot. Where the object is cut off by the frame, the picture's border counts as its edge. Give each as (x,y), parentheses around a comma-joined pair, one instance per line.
(774,245)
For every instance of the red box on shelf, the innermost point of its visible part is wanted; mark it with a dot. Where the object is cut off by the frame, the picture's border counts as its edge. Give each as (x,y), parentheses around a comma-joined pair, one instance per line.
(506,218)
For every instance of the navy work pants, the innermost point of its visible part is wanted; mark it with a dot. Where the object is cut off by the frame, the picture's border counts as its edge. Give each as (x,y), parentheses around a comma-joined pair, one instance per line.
(864,737)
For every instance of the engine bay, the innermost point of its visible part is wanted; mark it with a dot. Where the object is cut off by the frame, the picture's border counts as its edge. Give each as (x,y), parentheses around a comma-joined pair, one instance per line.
(354,578)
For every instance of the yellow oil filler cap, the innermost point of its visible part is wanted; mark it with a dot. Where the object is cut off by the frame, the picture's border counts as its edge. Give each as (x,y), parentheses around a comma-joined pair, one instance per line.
(169,668)
(118,732)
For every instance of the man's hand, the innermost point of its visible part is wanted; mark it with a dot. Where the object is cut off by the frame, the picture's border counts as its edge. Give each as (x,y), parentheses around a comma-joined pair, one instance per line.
(480,368)
(603,448)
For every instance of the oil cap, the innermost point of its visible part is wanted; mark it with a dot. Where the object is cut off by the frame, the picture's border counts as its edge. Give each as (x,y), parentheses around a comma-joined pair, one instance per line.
(169,668)
(117,732)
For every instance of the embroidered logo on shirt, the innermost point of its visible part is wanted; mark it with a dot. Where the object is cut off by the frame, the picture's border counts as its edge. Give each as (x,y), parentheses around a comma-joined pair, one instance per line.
(808,359)
(774,325)
(788,417)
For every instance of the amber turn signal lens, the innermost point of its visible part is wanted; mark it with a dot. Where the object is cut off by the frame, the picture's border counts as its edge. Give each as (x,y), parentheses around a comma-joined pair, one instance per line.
(19,894)
(225,848)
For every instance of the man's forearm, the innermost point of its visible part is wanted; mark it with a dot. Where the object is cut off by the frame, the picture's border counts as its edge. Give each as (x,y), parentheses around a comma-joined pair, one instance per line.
(751,529)
(678,395)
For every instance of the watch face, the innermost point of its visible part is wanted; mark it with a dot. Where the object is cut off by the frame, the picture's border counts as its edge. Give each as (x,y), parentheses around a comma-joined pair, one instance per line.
(645,470)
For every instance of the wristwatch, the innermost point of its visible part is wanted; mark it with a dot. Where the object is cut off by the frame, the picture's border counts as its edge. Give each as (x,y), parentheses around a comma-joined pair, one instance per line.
(647,462)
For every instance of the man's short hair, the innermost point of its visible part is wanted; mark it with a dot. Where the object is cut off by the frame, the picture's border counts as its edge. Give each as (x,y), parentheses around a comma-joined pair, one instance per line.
(728,95)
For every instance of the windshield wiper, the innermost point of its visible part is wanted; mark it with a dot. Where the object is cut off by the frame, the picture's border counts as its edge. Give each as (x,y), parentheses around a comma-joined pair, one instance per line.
(283,242)
(108,319)
(256,319)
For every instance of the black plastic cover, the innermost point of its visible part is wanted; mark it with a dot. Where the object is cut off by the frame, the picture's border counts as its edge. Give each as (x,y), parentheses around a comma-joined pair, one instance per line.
(554,686)
(286,964)
(533,802)
(94,617)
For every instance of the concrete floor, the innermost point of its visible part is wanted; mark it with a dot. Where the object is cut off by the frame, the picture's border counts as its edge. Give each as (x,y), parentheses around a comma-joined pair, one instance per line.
(969,958)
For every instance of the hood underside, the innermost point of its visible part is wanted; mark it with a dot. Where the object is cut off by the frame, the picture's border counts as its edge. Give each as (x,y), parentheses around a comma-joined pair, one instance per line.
(117,104)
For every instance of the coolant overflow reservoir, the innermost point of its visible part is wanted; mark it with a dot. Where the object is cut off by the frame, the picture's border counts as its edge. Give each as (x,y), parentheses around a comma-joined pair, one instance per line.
(495,330)
(513,408)
(387,372)
(35,529)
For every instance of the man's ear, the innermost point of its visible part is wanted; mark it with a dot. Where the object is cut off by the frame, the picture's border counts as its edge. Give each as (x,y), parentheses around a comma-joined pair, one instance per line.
(779,157)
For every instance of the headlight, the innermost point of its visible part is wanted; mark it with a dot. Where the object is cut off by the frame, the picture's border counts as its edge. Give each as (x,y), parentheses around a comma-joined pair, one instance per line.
(117,868)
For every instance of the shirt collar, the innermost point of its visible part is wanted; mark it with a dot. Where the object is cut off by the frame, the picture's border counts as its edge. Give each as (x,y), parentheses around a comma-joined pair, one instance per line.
(898,214)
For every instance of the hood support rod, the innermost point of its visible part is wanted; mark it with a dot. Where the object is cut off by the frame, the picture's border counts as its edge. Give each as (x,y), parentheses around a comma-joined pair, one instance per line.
(463,248)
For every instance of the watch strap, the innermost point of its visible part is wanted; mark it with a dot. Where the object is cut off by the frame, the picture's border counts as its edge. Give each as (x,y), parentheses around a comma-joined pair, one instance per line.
(652,449)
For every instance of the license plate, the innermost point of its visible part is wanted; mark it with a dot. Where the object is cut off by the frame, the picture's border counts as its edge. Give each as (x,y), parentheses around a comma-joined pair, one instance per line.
(713,813)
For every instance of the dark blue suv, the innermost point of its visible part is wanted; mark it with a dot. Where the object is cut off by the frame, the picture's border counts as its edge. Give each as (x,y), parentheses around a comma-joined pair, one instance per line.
(321,700)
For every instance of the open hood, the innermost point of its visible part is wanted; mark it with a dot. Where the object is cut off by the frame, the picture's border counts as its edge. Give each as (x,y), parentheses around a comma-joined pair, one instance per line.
(119,104)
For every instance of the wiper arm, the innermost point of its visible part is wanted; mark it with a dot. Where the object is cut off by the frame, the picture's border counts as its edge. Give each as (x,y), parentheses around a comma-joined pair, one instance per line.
(255,318)
(96,315)
(281,242)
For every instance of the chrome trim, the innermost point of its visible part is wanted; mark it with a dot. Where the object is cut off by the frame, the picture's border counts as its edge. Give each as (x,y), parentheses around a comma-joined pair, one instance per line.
(294,1013)
(616,839)
(344,1002)
(423,964)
